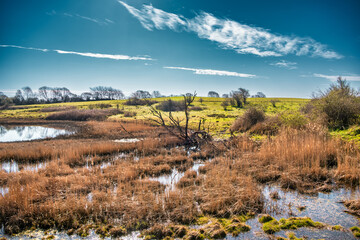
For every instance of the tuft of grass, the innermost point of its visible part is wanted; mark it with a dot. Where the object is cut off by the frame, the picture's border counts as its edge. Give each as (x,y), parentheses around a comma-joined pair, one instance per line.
(274,226)
(337,228)
(264,218)
(356,231)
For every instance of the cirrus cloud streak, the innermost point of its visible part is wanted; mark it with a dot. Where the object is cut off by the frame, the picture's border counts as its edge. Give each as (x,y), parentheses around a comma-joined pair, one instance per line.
(333,78)
(88,54)
(229,34)
(214,72)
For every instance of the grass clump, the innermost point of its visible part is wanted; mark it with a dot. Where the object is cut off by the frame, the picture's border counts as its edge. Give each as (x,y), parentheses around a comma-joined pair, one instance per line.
(290,236)
(353,206)
(337,228)
(251,117)
(273,226)
(236,228)
(202,220)
(214,231)
(356,231)
(264,218)
(194,235)
(158,231)
(294,120)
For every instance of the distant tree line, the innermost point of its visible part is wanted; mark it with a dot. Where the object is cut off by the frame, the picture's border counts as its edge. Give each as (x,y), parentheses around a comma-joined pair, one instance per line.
(47,94)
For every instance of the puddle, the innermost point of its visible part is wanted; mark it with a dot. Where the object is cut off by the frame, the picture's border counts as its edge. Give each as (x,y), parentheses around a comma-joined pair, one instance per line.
(128,140)
(39,234)
(4,191)
(170,180)
(325,208)
(106,162)
(13,166)
(28,133)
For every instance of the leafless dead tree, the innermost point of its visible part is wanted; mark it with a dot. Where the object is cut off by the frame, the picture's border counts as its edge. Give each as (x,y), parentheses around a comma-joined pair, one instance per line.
(174,125)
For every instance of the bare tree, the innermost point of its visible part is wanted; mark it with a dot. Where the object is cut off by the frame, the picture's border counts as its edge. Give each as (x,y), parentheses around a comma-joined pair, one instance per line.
(174,124)
(141,94)
(225,103)
(19,98)
(259,95)
(244,93)
(44,93)
(106,93)
(87,96)
(156,94)
(27,93)
(237,97)
(4,101)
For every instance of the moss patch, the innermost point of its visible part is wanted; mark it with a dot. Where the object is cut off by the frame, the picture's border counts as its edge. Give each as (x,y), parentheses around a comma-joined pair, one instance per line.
(356,231)
(264,218)
(274,226)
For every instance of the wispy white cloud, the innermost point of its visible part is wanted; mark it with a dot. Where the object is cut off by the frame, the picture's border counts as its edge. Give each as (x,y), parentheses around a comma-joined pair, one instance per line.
(151,17)
(213,72)
(93,55)
(334,77)
(100,55)
(94,20)
(285,64)
(229,34)
(28,48)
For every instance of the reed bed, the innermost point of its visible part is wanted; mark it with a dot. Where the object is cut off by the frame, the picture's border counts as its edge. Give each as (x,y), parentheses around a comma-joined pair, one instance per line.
(73,190)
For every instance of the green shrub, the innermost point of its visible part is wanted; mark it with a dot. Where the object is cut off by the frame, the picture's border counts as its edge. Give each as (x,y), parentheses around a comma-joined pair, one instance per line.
(294,120)
(339,105)
(171,106)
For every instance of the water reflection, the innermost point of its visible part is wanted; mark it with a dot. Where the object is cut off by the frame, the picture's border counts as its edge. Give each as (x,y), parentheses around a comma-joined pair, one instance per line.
(13,166)
(170,180)
(27,133)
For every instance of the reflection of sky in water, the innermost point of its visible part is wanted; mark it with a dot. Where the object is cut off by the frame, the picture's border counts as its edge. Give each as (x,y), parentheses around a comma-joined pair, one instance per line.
(170,180)
(13,166)
(325,208)
(27,133)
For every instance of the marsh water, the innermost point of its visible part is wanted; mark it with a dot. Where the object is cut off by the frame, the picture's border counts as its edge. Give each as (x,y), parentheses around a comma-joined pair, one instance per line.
(28,133)
(14,166)
(323,207)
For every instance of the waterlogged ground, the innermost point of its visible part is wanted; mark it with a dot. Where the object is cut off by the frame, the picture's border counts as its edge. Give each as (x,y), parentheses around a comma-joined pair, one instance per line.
(326,208)
(28,133)
(323,207)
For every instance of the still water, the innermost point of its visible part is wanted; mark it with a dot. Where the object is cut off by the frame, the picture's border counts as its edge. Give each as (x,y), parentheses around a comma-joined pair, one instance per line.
(28,133)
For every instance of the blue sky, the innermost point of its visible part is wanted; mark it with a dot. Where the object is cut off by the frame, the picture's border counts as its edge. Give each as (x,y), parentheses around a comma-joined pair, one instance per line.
(281,48)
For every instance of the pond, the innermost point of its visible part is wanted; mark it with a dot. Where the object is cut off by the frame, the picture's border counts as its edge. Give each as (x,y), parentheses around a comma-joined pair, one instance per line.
(28,133)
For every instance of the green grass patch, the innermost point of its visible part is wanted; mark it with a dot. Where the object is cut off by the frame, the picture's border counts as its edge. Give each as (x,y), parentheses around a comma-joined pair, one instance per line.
(271,225)
(356,231)
(215,119)
(351,134)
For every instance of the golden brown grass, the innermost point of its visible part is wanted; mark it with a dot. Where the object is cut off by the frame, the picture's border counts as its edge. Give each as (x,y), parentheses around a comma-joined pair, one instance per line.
(73,190)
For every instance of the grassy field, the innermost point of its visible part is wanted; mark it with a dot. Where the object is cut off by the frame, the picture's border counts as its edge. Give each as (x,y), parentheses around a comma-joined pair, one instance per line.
(217,120)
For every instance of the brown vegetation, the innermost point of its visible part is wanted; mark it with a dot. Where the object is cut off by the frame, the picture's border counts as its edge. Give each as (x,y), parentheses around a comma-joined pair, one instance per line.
(74,190)
(83,115)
